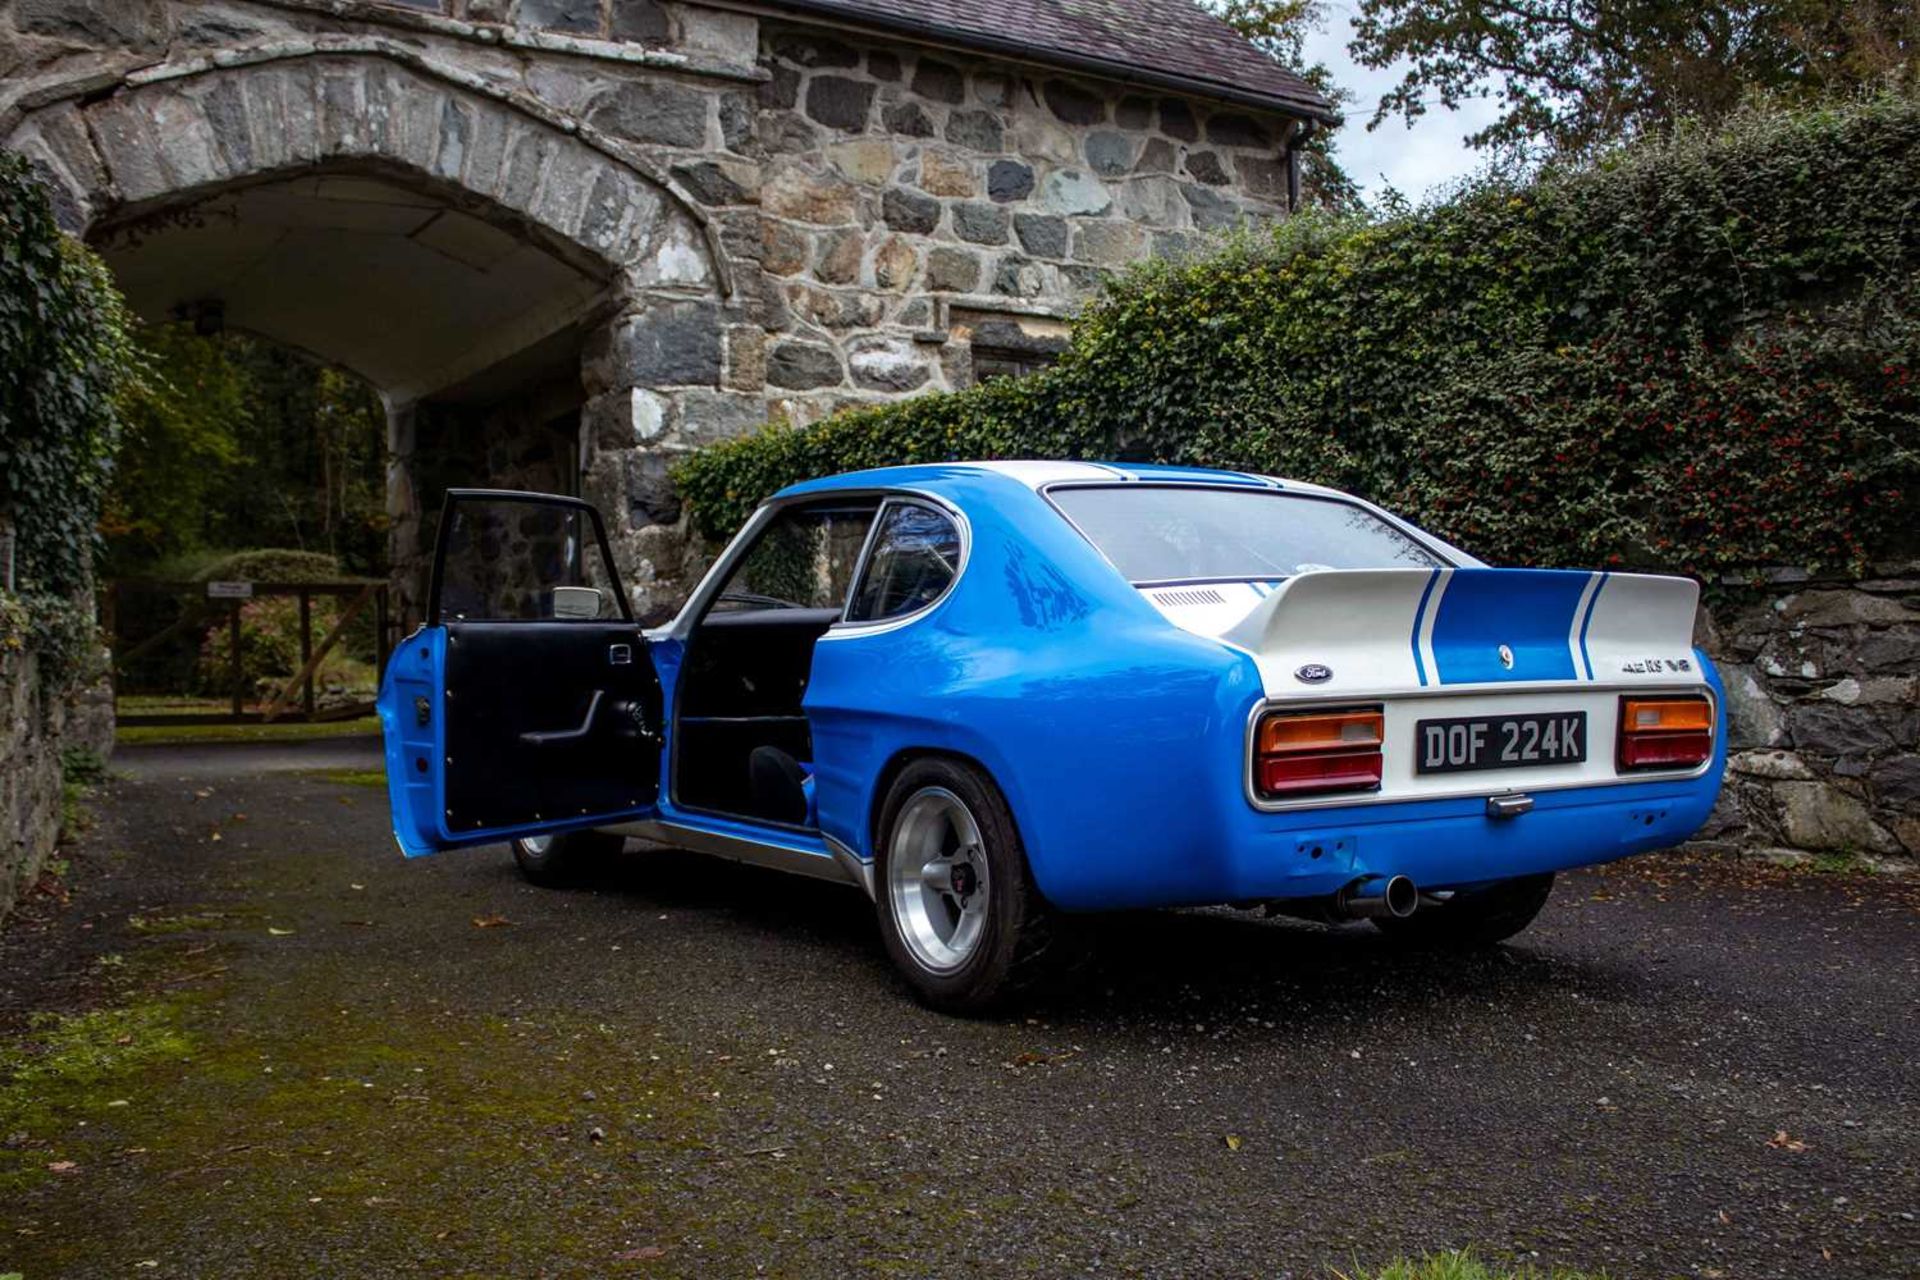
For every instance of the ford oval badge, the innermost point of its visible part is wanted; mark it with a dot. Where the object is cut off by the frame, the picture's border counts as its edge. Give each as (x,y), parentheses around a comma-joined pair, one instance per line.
(1313,673)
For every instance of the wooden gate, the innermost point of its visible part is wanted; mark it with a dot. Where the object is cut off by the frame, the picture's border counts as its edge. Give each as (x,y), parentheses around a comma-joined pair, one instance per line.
(154,685)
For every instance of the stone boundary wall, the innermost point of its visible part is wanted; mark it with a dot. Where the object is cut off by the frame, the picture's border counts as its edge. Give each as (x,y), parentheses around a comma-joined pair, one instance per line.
(34,732)
(1823,703)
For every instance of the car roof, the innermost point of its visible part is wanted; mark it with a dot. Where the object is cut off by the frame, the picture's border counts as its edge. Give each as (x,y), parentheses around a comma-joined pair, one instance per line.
(1036,474)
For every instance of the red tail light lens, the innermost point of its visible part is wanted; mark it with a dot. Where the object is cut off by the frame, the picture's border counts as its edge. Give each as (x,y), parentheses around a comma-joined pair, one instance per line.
(1312,752)
(1664,733)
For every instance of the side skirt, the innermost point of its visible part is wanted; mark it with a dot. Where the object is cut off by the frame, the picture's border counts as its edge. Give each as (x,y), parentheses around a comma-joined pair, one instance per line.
(837,863)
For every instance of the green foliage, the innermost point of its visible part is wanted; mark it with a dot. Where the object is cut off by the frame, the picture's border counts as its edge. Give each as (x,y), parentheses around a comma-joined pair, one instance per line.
(82,765)
(234,443)
(184,427)
(1573,75)
(60,630)
(1698,355)
(65,359)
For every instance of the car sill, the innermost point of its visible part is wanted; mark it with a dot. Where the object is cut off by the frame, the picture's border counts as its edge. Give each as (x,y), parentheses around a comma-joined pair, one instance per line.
(831,861)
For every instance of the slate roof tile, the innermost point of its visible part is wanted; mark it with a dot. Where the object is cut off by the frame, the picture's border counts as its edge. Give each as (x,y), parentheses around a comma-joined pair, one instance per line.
(1171,43)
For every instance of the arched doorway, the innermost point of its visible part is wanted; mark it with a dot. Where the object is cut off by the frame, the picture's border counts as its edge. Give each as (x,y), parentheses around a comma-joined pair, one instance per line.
(488,267)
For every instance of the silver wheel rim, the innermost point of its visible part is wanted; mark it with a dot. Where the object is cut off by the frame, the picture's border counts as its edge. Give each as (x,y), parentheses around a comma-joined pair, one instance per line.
(938,883)
(536,845)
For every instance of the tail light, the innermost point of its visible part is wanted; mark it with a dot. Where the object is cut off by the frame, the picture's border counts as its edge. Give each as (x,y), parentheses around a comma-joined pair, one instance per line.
(1309,752)
(1664,733)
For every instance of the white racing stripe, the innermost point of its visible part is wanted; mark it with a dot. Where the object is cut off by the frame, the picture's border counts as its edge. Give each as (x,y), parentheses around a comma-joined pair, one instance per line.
(1583,668)
(1429,665)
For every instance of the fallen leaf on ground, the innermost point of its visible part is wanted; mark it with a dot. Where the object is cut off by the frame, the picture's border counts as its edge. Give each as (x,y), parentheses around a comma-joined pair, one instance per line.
(62,1166)
(490,922)
(1781,1141)
(1233,1141)
(278,933)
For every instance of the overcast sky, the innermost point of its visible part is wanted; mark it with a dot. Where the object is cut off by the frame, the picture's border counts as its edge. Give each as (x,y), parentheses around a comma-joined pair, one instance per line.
(1413,161)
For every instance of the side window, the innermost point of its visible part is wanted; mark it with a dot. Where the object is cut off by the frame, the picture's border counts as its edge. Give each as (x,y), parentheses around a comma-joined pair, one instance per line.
(915,555)
(804,559)
(522,559)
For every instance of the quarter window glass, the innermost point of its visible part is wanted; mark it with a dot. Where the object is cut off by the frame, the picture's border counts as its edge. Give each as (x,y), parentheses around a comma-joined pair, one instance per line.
(915,555)
(804,559)
(1165,534)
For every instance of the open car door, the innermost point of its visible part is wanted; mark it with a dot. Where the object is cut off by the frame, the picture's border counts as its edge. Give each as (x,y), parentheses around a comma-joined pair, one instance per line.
(528,703)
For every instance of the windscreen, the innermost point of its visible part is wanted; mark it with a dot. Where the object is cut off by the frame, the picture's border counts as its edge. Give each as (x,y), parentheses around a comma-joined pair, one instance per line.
(1158,533)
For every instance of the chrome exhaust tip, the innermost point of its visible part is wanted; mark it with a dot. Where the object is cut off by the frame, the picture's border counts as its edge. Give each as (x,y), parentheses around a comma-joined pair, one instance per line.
(1394,898)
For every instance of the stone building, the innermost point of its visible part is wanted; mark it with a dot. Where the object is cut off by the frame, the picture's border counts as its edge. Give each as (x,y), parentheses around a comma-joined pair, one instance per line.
(569,239)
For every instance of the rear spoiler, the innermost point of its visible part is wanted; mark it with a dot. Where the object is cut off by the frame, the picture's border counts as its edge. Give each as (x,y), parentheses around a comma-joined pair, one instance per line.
(1385,628)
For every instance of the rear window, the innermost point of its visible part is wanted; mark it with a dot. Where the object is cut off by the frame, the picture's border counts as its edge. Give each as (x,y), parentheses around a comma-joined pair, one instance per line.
(1166,534)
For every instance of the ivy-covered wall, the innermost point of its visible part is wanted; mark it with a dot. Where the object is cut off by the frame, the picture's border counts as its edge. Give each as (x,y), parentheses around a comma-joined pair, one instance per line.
(1698,356)
(65,358)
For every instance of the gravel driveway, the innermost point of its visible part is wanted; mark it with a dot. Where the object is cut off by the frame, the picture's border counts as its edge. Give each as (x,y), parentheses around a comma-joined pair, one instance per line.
(310,1057)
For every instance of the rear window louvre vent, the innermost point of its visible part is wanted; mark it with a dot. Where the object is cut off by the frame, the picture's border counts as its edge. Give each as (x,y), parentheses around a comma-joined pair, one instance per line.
(1204,595)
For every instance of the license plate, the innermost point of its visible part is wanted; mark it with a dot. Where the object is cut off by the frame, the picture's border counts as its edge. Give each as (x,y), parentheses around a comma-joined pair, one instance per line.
(1466,743)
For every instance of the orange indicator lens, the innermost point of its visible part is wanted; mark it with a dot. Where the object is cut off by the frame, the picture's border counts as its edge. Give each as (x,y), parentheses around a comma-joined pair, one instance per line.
(1301,752)
(1670,715)
(1321,731)
(1664,733)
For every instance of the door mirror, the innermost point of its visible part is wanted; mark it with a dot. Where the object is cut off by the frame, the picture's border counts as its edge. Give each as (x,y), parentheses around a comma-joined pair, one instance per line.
(575,603)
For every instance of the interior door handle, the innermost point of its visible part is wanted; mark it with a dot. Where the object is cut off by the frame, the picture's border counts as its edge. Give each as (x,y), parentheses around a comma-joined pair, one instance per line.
(560,737)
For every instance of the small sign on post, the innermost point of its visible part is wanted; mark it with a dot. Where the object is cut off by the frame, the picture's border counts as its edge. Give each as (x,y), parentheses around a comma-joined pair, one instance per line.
(229,591)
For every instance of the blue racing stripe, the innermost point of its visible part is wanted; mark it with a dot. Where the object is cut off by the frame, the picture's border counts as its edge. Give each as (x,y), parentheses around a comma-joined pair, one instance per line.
(1419,667)
(1586,621)
(1530,611)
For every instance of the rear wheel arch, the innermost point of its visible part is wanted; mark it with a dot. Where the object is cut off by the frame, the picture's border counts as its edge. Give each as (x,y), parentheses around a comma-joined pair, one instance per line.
(960,962)
(897,764)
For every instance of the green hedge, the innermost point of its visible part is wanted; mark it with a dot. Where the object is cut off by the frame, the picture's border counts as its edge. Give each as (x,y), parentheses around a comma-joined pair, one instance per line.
(1697,355)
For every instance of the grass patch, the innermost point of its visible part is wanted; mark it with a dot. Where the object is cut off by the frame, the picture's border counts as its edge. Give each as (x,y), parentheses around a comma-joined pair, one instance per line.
(1461,1264)
(289,731)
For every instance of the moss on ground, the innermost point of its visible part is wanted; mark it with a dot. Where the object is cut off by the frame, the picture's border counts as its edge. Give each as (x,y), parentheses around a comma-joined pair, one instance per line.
(357,777)
(63,1071)
(402,1128)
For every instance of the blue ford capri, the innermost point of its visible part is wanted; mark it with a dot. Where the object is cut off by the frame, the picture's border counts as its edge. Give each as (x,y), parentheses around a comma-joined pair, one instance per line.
(997,696)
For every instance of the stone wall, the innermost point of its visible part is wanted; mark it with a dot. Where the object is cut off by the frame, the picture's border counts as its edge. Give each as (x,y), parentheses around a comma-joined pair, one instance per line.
(788,218)
(1823,700)
(35,729)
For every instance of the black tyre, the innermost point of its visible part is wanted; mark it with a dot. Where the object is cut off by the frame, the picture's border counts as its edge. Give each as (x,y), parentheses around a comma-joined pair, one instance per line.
(961,917)
(1476,917)
(554,861)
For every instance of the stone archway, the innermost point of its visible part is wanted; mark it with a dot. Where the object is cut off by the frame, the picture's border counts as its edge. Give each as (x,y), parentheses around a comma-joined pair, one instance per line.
(517,287)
